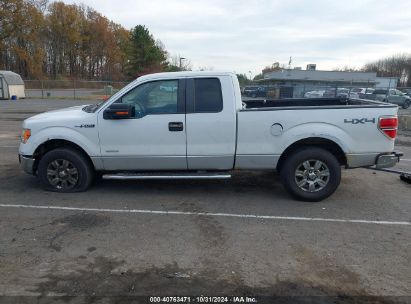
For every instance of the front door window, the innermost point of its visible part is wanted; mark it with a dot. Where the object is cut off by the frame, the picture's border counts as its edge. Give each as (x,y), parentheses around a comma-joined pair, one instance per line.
(156,97)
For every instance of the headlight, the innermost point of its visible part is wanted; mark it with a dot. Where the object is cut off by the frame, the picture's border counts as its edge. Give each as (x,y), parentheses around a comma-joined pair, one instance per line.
(25,135)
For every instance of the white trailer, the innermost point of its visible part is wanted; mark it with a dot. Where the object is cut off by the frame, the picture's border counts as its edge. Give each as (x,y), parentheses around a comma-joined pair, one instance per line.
(11,84)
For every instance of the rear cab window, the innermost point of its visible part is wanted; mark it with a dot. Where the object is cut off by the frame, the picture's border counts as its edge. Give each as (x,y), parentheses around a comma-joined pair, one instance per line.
(204,95)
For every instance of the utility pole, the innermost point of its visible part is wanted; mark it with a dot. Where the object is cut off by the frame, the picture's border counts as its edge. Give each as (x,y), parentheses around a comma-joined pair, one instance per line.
(181,59)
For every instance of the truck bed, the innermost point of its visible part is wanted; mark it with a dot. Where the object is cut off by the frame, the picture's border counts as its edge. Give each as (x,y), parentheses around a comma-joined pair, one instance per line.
(271,104)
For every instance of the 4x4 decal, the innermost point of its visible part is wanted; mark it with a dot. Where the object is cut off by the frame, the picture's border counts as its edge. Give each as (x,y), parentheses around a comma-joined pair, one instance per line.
(356,121)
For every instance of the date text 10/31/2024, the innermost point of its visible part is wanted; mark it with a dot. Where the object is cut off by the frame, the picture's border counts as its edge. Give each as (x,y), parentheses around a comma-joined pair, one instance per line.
(203,299)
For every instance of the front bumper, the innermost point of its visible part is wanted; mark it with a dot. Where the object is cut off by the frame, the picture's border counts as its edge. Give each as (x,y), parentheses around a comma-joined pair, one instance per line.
(27,163)
(388,160)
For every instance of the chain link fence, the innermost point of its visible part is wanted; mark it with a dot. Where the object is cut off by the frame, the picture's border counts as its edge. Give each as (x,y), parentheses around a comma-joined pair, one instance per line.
(71,89)
(93,90)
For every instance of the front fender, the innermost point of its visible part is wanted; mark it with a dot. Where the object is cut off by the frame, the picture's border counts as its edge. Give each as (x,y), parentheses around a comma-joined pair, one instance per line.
(87,139)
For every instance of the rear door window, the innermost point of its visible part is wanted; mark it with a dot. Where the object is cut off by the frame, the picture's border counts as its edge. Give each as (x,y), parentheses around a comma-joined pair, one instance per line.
(207,95)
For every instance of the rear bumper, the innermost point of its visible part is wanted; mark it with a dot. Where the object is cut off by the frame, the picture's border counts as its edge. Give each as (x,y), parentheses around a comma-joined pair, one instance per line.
(379,160)
(388,160)
(27,163)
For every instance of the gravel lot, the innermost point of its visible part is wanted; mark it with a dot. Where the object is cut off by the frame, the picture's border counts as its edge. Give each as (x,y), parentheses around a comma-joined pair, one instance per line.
(109,242)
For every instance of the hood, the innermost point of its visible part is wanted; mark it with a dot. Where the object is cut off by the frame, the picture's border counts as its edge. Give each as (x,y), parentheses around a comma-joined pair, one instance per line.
(62,117)
(58,114)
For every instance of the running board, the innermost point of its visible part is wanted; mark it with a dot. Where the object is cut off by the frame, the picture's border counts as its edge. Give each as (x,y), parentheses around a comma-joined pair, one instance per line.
(168,175)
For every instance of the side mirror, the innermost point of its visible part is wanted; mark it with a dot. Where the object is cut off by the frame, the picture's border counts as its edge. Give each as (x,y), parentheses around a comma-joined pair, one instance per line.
(119,111)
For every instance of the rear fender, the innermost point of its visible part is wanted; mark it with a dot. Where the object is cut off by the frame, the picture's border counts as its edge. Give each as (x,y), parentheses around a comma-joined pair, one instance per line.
(318,130)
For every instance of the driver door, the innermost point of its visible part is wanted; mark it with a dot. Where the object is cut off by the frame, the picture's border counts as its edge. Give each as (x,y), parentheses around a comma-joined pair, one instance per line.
(155,139)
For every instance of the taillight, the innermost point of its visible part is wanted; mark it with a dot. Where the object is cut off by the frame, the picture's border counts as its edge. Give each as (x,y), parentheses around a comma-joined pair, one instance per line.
(389,126)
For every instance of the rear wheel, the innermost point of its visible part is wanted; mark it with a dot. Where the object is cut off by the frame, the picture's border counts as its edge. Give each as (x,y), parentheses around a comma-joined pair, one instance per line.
(65,170)
(311,174)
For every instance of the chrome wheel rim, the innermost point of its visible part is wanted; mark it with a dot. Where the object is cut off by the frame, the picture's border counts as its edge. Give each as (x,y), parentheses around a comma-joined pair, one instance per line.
(312,175)
(62,174)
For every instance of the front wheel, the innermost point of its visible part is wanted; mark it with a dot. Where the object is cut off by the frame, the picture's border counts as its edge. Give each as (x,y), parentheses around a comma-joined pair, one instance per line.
(65,170)
(406,105)
(311,174)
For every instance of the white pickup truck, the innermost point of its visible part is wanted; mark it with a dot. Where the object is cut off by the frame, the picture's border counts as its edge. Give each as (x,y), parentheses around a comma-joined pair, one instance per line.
(195,125)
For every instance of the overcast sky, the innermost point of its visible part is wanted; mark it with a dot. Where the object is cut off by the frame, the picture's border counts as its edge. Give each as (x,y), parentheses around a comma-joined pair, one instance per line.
(245,36)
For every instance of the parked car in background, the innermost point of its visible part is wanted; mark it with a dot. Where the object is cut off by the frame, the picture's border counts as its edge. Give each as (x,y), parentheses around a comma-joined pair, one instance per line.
(314,94)
(343,92)
(360,92)
(392,96)
(329,93)
(406,91)
(255,91)
(340,92)
(169,89)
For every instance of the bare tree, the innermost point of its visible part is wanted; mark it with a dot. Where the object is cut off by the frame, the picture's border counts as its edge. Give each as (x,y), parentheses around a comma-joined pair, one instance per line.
(398,66)
(346,68)
(40,4)
(206,68)
(177,62)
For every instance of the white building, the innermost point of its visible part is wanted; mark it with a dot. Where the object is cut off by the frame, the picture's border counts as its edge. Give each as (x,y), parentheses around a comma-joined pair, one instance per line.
(294,83)
(386,82)
(11,84)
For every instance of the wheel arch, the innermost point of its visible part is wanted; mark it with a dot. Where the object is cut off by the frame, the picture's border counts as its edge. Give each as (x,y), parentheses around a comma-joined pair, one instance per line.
(319,142)
(52,144)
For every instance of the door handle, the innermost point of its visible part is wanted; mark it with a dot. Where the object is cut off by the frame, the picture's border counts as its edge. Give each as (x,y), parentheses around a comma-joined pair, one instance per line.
(175,126)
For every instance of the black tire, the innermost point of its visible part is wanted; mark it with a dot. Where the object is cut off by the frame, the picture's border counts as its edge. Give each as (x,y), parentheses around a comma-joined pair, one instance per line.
(77,175)
(406,105)
(291,174)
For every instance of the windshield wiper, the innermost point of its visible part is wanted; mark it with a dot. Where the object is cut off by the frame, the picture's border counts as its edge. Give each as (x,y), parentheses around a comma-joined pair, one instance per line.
(92,107)
(89,108)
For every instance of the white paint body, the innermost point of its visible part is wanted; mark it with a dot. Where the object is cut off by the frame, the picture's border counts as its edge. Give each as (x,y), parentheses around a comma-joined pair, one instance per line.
(233,138)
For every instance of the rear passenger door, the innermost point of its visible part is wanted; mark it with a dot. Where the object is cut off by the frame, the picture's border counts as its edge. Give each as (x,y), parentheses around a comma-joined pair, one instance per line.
(211,123)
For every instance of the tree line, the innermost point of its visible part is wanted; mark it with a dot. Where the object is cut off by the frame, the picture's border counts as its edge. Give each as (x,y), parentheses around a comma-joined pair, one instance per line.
(397,66)
(39,40)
